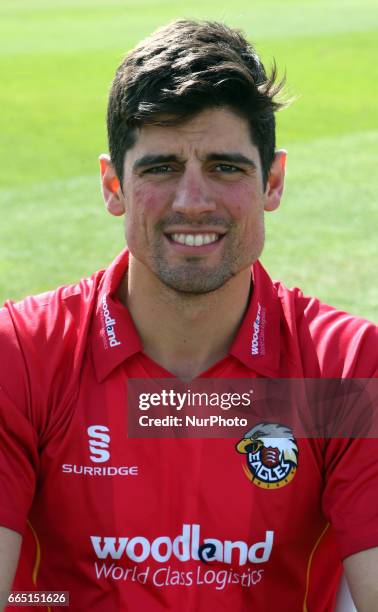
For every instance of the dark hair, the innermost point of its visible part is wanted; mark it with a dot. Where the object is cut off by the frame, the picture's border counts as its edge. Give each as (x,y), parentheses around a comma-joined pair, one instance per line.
(180,70)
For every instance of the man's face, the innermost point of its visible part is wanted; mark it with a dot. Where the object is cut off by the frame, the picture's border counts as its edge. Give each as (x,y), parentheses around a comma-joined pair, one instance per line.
(194,201)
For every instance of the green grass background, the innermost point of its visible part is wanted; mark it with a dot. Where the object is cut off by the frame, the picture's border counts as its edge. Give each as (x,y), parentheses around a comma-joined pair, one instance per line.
(57,59)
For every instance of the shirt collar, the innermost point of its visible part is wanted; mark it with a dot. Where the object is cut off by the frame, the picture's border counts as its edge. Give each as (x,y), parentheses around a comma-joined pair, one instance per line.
(257,343)
(115,338)
(114,335)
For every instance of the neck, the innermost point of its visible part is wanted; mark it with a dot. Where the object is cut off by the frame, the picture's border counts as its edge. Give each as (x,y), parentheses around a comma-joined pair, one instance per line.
(185,334)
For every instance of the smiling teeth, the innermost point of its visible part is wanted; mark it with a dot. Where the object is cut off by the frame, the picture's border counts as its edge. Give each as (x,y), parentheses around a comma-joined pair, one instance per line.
(194,239)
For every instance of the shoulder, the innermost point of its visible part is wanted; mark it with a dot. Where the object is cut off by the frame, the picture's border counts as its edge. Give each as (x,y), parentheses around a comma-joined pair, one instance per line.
(345,345)
(43,317)
(41,333)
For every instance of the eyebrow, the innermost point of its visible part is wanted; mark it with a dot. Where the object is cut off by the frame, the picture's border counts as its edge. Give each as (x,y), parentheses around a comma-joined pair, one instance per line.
(150,160)
(236,158)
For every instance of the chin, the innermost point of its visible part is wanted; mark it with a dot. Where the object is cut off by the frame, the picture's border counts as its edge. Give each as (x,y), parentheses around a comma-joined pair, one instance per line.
(194,282)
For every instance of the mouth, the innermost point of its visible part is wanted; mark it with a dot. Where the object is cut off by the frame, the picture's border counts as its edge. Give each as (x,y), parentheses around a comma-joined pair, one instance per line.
(194,240)
(190,242)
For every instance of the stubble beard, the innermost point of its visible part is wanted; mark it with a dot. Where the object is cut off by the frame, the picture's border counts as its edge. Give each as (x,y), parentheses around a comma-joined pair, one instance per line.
(193,276)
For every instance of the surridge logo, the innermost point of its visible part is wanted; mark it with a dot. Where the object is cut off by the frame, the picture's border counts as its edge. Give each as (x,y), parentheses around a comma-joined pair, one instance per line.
(258,333)
(98,443)
(109,324)
(184,547)
(272,455)
(99,440)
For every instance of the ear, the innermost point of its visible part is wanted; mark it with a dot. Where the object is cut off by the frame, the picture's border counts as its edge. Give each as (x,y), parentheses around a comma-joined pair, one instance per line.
(276,181)
(111,189)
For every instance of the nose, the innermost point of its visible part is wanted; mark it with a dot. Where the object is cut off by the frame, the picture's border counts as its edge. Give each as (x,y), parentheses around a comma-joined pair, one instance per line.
(193,196)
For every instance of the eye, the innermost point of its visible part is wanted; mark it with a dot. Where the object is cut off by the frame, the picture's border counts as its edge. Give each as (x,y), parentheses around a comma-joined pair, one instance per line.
(227,169)
(158,170)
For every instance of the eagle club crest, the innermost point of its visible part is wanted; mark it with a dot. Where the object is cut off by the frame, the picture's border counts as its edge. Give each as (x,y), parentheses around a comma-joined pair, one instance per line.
(272,455)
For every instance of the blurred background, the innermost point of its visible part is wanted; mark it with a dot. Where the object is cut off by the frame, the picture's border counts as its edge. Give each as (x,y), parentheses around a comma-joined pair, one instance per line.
(57,59)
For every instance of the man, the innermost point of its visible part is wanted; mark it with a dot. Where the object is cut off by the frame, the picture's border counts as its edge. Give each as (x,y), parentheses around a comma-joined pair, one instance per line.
(153,524)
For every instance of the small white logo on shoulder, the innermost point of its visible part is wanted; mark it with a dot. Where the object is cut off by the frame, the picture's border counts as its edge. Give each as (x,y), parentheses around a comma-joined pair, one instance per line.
(258,332)
(109,325)
(98,443)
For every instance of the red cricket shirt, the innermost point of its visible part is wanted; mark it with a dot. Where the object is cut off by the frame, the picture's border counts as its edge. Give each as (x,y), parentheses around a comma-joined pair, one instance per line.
(120,523)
